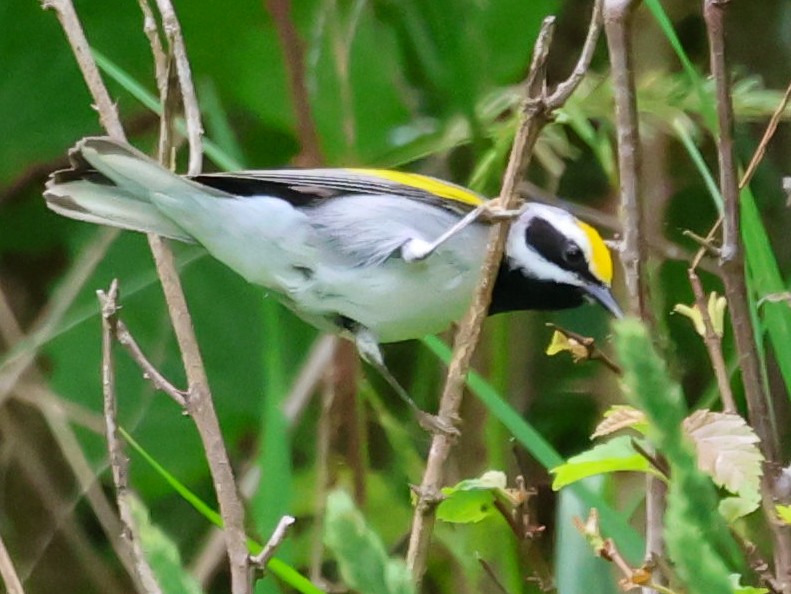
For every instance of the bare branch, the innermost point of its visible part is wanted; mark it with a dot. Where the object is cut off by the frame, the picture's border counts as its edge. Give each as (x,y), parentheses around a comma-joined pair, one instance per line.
(294,60)
(733,275)
(713,342)
(150,372)
(535,113)
(170,24)
(119,463)
(278,536)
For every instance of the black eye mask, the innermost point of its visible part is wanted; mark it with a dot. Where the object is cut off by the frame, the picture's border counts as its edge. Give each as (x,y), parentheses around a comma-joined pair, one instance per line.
(557,248)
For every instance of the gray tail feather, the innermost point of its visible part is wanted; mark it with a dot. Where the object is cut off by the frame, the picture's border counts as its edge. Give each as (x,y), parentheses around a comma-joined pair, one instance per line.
(110,183)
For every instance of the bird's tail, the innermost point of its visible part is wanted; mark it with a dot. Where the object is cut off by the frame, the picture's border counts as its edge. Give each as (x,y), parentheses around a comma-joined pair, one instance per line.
(112,183)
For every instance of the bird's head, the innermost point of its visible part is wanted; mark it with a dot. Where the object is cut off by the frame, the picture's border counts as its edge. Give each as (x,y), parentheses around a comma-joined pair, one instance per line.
(553,261)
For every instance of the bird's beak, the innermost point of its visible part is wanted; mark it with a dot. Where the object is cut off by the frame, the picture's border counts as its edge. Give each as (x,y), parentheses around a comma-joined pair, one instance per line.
(603,296)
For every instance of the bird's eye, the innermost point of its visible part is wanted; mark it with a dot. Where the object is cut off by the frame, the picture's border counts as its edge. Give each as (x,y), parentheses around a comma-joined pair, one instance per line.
(573,254)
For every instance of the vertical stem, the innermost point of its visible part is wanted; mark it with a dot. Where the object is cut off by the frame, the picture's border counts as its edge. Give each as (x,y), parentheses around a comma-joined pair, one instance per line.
(733,275)
(634,254)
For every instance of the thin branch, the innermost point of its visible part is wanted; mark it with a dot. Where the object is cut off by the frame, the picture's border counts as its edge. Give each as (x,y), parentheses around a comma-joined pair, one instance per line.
(199,403)
(170,24)
(489,570)
(733,275)
(150,372)
(119,463)
(618,28)
(7,571)
(278,536)
(634,250)
(151,30)
(294,60)
(713,342)
(535,112)
(108,112)
(771,128)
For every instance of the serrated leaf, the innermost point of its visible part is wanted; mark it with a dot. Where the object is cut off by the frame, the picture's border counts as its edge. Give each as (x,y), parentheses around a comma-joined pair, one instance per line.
(727,449)
(733,508)
(362,559)
(615,455)
(161,553)
(621,416)
(784,513)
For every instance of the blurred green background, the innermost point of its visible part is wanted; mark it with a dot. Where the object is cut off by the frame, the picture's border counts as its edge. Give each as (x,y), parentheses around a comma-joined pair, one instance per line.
(426,86)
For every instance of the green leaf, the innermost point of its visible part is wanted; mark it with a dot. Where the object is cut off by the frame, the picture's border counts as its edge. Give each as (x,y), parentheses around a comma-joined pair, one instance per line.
(739,589)
(161,552)
(765,279)
(616,455)
(362,558)
(472,500)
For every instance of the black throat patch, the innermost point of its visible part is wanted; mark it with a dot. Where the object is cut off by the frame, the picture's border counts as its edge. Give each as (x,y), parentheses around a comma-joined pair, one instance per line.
(513,291)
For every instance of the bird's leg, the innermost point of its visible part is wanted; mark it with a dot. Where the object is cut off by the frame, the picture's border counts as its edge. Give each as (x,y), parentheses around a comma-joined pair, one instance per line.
(416,249)
(370,352)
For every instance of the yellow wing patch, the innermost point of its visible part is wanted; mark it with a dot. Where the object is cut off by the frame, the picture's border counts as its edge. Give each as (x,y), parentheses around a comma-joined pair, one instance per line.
(601,260)
(428,184)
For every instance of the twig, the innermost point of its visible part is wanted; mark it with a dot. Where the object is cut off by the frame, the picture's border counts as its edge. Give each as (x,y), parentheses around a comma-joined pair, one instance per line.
(119,463)
(150,372)
(489,570)
(199,403)
(151,31)
(535,112)
(7,571)
(618,28)
(733,275)
(771,128)
(278,536)
(175,39)
(294,59)
(713,342)
(592,351)
(634,252)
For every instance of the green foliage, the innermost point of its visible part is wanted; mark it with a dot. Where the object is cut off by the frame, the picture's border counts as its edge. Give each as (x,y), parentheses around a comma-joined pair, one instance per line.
(691,521)
(362,559)
(161,552)
(472,500)
(615,455)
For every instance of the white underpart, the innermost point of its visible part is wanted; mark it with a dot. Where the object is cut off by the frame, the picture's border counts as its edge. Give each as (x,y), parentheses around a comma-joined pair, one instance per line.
(522,256)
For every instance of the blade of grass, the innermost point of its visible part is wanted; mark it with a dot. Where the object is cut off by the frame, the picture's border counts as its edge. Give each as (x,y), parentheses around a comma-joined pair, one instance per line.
(765,279)
(278,567)
(150,101)
(707,107)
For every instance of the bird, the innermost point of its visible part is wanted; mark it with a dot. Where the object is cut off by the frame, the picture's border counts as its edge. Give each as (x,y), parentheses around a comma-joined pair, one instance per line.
(375,255)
